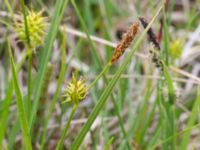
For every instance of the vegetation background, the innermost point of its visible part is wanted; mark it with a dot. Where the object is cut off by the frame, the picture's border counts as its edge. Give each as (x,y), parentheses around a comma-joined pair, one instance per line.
(131,105)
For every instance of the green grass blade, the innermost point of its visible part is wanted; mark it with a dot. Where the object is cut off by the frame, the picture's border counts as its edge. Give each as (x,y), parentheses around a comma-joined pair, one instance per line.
(64,132)
(8,99)
(55,96)
(108,90)
(174,136)
(97,60)
(29,89)
(98,65)
(191,121)
(4,115)
(169,108)
(13,133)
(155,137)
(58,14)
(20,107)
(171,92)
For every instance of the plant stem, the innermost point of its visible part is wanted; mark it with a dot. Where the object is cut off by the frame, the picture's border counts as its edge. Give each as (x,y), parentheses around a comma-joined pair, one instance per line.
(28,100)
(57,91)
(166,34)
(98,63)
(105,69)
(64,133)
(20,106)
(108,90)
(57,16)
(25,21)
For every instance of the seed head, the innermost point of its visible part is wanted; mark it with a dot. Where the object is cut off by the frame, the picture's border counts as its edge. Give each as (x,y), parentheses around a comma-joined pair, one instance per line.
(150,32)
(37,25)
(155,57)
(125,42)
(76,90)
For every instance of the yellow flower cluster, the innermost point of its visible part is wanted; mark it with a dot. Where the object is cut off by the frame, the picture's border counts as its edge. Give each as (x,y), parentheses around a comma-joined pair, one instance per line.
(76,90)
(37,25)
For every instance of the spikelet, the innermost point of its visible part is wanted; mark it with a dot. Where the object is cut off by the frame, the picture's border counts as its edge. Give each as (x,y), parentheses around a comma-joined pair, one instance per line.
(151,34)
(37,25)
(155,57)
(125,42)
(76,90)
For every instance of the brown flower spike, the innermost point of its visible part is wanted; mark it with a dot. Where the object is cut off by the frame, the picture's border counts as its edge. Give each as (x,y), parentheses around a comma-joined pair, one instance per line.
(151,34)
(125,42)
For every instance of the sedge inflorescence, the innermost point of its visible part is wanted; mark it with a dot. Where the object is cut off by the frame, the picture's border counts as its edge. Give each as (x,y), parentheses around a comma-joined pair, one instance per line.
(125,42)
(155,49)
(36,25)
(76,90)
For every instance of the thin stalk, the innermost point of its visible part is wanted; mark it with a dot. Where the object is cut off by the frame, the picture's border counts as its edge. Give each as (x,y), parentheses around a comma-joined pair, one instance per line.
(28,100)
(9,8)
(55,96)
(4,115)
(20,106)
(191,120)
(108,90)
(57,16)
(64,132)
(185,131)
(105,69)
(8,99)
(98,64)
(97,60)
(43,104)
(25,21)
(166,34)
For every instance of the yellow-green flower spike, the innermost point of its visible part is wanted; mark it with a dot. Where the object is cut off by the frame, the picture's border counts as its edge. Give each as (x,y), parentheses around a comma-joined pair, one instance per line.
(76,90)
(37,25)
(176,48)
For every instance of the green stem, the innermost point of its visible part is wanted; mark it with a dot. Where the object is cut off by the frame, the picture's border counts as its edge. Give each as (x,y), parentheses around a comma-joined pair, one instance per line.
(55,96)
(64,132)
(178,134)
(98,63)
(8,99)
(166,35)
(108,90)
(20,106)
(28,101)
(25,21)
(60,7)
(97,60)
(105,69)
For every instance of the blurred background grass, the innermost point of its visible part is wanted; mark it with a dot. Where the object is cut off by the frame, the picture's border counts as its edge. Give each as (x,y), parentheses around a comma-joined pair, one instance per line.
(140,94)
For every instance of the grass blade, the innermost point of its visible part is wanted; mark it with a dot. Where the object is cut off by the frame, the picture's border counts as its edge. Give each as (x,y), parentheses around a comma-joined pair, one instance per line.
(195,111)
(7,101)
(20,107)
(108,90)
(98,64)
(58,14)
(4,115)
(55,96)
